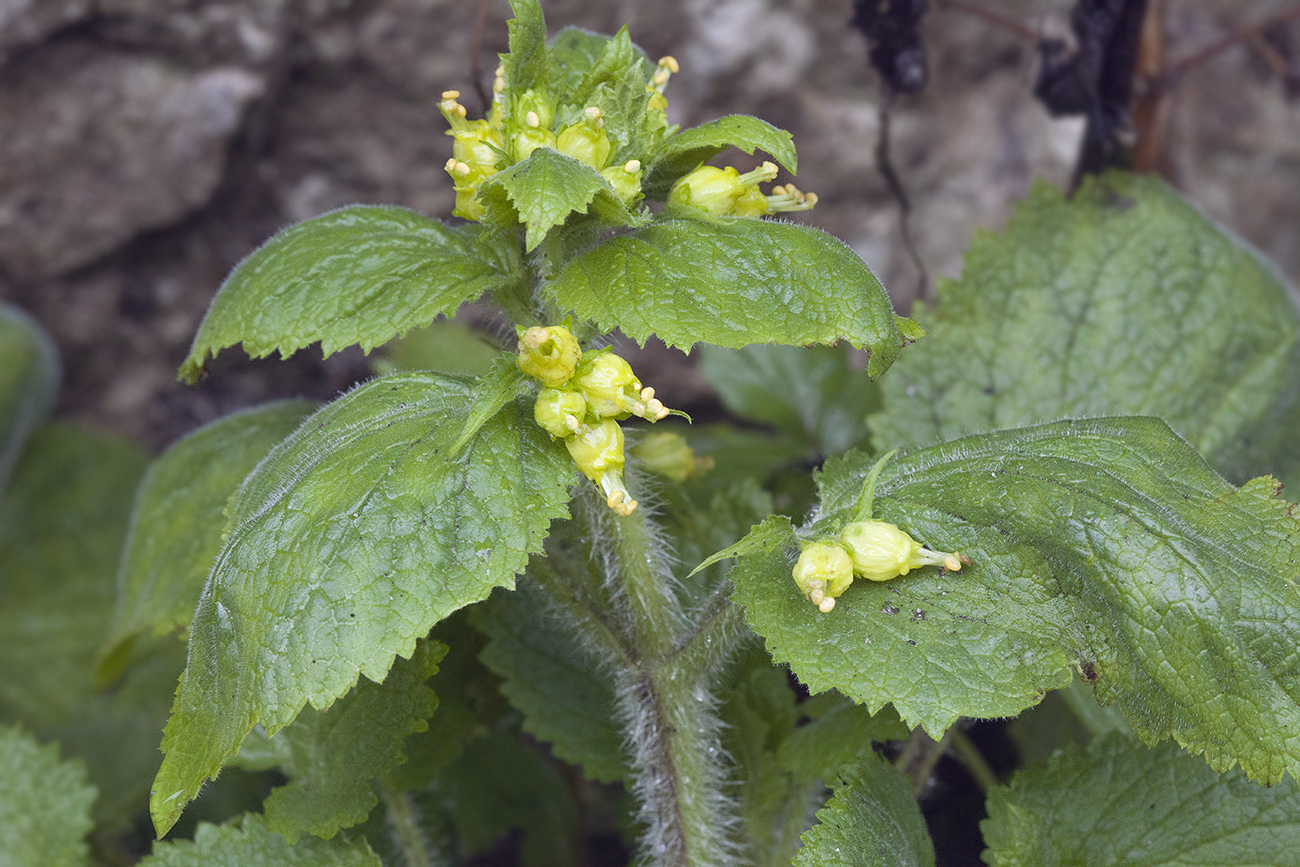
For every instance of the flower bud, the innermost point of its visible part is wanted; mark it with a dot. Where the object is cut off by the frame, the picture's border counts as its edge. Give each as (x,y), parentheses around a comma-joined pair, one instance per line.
(824,571)
(668,455)
(549,354)
(559,413)
(585,141)
(597,449)
(881,551)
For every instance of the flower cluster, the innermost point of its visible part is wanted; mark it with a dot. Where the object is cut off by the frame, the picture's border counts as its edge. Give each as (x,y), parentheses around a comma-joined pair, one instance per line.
(584,396)
(520,123)
(873,550)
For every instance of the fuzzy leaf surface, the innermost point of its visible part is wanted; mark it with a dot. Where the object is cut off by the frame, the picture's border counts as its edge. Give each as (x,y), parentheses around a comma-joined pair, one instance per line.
(351,540)
(44,803)
(543,190)
(358,275)
(331,756)
(1123,300)
(1107,546)
(683,152)
(29,381)
(871,821)
(731,282)
(252,844)
(528,63)
(1116,802)
(178,519)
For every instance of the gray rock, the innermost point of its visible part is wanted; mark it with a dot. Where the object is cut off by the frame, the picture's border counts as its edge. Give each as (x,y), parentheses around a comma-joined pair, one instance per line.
(103,145)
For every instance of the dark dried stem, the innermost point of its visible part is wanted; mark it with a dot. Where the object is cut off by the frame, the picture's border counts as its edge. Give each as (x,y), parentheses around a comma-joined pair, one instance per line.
(1206,53)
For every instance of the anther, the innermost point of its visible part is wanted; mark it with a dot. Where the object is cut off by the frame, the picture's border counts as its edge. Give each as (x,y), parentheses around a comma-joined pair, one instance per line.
(632,166)
(451,94)
(532,119)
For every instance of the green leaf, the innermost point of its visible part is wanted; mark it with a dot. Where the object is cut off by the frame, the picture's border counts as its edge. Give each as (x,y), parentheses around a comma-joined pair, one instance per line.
(500,784)
(543,190)
(731,282)
(350,540)
(683,152)
(1118,803)
(62,524)
(44,803)
(178,521)
(784,750)
(573,53)
(527,64)
(357,275)
(872,821)
(811,393)
(1107,546)
(617,82)
(29,381)
(331,756)
(252,844)
(554,679)
(1122,300)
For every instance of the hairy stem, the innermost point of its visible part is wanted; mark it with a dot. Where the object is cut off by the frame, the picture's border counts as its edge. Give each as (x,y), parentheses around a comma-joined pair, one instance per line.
(669,708)
(405,827)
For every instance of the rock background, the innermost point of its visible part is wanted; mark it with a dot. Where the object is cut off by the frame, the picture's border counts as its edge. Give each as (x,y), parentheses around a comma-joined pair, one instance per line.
(146,146)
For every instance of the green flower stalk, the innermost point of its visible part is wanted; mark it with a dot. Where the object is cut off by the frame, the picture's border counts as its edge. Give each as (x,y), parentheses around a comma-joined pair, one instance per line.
(597,449)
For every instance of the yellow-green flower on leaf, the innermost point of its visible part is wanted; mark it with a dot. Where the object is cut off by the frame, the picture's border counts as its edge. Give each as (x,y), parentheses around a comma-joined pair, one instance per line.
(597,449)
(824,571)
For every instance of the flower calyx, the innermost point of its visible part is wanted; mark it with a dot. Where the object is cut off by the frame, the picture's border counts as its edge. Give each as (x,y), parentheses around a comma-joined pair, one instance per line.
(548,354)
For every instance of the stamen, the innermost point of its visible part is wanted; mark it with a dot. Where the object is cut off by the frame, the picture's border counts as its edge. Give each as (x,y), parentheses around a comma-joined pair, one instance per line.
(451,94)
(827,605)
(532,119)
(632,166)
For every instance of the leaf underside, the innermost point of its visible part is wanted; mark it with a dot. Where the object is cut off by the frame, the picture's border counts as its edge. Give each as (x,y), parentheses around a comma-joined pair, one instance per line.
(1107,547)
